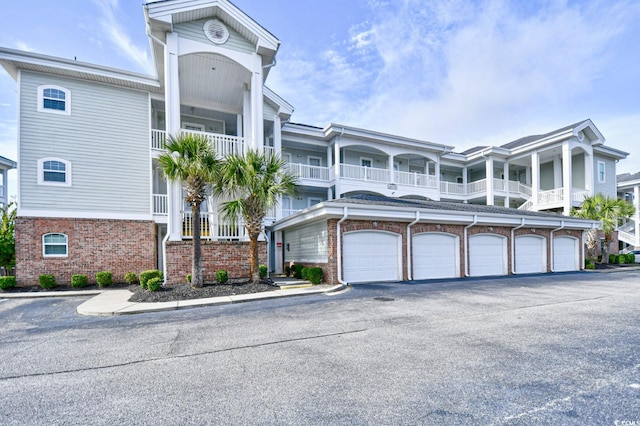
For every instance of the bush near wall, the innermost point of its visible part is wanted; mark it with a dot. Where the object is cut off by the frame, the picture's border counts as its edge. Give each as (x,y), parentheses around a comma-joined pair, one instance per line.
(79,280)
(145,276)
(7,282)
(104,278)
(47,281)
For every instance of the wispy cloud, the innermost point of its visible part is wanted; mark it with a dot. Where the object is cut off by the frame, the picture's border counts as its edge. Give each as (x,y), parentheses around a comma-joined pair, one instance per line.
(117,35)
(21,45)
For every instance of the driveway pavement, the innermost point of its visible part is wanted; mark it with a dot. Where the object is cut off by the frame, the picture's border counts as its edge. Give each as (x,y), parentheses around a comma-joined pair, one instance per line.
(553,349)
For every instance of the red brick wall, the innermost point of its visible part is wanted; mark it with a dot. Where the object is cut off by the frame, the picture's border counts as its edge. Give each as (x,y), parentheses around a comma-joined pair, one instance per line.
(230,255)
(94,245)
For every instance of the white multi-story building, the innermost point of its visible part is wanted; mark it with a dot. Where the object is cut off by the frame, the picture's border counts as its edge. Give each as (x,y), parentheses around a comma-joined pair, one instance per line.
(91,195)
(5,166)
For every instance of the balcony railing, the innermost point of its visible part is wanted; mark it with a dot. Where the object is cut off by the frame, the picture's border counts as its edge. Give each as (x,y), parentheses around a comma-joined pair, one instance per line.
(160,204)
(479,186)
(416,179)
(289,212)
(368,174)
(212,227)
(223,145)
(304,171)
(579,195)
(552,196)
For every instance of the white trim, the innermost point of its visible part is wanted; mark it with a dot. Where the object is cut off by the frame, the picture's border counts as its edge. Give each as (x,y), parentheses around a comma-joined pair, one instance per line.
(18,127)
(200,127)
(66,245)
(314,157)
(604,172)
(83,215)
(67,100)
(367,159)
(317,200)
(67,172)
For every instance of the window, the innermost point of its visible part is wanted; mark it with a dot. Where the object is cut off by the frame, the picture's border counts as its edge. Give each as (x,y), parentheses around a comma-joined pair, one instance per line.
(54,171)
(601,172)
(54,99)
(54,245)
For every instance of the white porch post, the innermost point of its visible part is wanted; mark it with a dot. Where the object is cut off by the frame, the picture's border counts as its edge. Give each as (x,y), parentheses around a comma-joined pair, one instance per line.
(566,179)
(437,172)
(489,178)
(257,125)
(239,126)
(336,150)
(390,168)
(277,147)
(507,199)
(535,179)
(329,167)
(558,171)
(247,122)
(172,108)
(588,173)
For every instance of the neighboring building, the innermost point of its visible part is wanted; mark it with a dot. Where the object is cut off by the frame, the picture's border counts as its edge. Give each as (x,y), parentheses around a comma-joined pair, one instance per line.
(629,190)
(91,196)
(5,166)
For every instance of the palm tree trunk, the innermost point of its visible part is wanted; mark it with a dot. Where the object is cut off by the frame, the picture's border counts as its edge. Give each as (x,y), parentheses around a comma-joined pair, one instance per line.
(254,271)
(196,262)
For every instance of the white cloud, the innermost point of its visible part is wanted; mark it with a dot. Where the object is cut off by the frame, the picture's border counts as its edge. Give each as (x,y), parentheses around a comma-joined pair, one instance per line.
(21,45)
(118,37)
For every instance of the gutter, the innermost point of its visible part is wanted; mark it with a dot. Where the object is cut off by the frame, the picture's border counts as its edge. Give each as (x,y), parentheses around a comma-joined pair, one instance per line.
(513,246)
(339,246)
(164,256)
(553,266)
(466,245)
(409,263)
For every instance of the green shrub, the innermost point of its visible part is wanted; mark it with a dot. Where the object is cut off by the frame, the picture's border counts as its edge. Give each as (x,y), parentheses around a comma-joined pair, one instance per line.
(287,270)
(47,281)
(145,276)
(104,278)
(613,258)
(631,258)
(79,280)
(588,264)
(263,270)
(297,270)
(154,284)
(304,272)
(315,275)
(622,259)
(599,258)
(7,282)
(222,276)
(189,278)
(131,278)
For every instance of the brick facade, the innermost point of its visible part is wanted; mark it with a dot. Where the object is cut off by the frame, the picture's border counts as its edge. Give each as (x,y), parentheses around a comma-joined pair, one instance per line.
(232,256)
(94,245)
(331,268)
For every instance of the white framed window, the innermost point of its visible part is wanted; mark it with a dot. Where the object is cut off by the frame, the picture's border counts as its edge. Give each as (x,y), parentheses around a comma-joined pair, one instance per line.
(602,175)
(54,171)
(54,99)
(55,245)
(193,126)
(366,162)
(314,200)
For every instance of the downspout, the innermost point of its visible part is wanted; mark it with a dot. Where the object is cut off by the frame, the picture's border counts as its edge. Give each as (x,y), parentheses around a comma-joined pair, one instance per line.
(513,246)
(164,256)
(553,266)
(409,265)
(339,246)
(466,245)
(272,64)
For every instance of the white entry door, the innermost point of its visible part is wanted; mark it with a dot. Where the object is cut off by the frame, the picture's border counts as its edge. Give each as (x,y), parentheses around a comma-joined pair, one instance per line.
(435,255)
(566,252)
(487,255)
(531,254)
(370,256)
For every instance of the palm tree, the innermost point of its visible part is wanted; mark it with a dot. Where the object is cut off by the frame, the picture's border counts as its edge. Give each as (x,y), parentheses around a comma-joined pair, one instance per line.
(254,182)
(191,160)
(610,212)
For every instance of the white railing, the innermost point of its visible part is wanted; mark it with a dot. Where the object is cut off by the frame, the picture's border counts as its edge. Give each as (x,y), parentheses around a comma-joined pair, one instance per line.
(304,171)
(212,227)
(528,205)
(1,191)
(579,195)
(369,174)
(523,190)
(452,188)
(415,179)
(628,238)
(289,212)
(223,145)
(158,139)
(160,204)
(269,150)
(552,196)
(477,186)
(630,227)
(499,185)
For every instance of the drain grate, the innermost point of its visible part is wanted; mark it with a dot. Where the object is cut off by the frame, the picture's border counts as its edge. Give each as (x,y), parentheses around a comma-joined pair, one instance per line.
(384,299)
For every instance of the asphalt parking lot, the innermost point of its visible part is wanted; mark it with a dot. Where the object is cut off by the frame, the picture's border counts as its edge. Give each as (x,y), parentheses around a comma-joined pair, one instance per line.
(550,349)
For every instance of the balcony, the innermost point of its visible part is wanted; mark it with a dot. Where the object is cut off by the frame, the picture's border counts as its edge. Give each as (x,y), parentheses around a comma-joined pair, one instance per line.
(213,227)
(223,145)
(554,198)
(312,173)
(479,187)
(160,205)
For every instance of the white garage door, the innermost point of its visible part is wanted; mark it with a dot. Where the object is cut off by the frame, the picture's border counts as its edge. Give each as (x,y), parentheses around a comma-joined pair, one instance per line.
(371,256)
(487,255)
(531,254)
(565,254)
(435,255)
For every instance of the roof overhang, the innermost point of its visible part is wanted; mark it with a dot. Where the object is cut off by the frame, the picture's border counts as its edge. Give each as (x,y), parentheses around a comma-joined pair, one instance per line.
(15,60)
(610,152)
(7,164)
(284,108)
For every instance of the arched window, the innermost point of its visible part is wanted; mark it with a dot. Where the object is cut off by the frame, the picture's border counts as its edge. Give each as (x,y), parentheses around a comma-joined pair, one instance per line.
(54,99)
(54,245)
(54,171)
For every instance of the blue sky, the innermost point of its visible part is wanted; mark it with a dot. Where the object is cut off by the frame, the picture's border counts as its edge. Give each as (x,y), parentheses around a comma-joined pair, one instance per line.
(462,73)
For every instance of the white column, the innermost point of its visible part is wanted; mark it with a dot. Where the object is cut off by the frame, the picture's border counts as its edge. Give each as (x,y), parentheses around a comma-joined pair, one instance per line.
(588,174)
(535,179)
(257,124)
(277,135)
(557,171)
(505,172)
(172,113)
(489,175)
(239,126)
(336,150)
(437,172)
(566,178)
(465,181)
(390,168)
(330,168)
(247,122)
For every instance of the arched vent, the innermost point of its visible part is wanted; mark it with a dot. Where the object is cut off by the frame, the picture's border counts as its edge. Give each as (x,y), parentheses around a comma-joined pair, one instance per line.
(216,31)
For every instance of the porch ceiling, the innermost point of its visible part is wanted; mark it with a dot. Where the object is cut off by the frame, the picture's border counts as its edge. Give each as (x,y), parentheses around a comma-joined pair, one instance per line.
(212,81)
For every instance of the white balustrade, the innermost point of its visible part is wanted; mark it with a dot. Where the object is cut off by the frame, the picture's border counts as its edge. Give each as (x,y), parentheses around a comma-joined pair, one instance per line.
(160,204)
(213,227)
(305,171)
(158,139)
(552,196)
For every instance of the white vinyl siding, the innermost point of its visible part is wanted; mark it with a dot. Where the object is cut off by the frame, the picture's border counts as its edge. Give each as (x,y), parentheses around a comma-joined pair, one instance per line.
(106,139)
(194,31)
(608,187)
(307,244)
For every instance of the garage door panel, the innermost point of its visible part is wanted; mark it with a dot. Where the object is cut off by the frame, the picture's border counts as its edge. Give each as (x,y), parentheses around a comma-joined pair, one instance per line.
(371,256)
(487,255)
(565,254)
(435,255)
(530,255)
